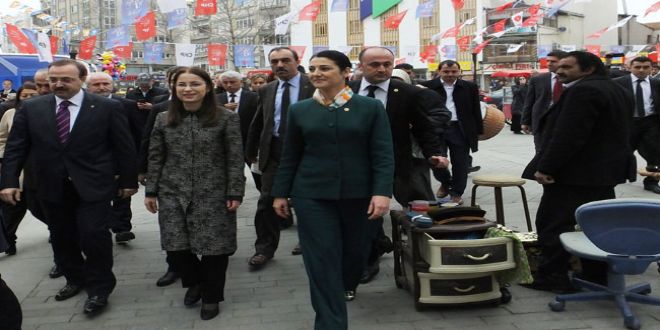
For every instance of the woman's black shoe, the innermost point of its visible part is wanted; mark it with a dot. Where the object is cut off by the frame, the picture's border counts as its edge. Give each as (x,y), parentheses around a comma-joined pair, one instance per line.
(209,311)
(193,295)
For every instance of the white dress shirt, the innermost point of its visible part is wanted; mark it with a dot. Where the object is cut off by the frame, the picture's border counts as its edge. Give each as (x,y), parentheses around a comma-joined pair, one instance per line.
(449,103)
(237,97)
(646,89)
(74,107)
(380,93)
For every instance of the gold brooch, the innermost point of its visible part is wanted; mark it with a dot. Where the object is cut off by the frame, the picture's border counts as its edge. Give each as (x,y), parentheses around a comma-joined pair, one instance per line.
(346,109)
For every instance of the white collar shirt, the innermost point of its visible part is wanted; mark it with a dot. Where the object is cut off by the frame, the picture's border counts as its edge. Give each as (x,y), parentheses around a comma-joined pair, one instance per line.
(380,93)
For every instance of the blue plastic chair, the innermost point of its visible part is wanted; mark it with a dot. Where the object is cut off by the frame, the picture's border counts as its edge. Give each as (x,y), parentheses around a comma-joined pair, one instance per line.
(625,233)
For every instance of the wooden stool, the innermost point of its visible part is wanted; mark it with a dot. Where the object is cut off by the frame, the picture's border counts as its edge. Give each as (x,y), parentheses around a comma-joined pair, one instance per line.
(498,182)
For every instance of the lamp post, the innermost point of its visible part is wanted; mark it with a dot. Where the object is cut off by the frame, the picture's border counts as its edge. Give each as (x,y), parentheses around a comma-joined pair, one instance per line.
(73,48)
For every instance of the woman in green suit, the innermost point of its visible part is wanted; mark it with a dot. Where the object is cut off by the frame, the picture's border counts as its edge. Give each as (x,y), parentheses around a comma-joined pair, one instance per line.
(337,167)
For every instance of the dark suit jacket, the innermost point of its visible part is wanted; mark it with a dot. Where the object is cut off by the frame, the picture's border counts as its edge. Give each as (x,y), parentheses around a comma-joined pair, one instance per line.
(260,133)
(412,110)
(626,82)
(161,98)
(537,101)
(143,154)
(133,115)
(585,139)
(136,94)
(468,108)
(99,148)
(246,110)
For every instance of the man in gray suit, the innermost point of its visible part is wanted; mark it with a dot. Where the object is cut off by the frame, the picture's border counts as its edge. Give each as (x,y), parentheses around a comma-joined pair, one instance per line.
(265,139)
(543,91)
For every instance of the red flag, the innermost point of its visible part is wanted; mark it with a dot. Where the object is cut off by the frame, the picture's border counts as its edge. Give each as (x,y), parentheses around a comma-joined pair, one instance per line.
(87,48)
(393,21)
(657,48)
(217,54)
(504,6)
(309,12)
(428,54)
(464,43)
(125,52)
(452,32)
(300,50)
(54,42)
(532,20)
(654,7)
(458,4)
(597,34)
(500,25)
(533,10)
(20,40)
(145,26)
(594,49)
(480,47)
(206,7)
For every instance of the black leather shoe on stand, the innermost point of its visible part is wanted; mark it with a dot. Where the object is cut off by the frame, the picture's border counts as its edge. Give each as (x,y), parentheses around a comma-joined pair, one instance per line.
(167,279)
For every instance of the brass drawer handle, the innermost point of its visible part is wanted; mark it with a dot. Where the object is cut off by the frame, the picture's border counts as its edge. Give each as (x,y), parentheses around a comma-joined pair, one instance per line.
(471,257)
(468,289)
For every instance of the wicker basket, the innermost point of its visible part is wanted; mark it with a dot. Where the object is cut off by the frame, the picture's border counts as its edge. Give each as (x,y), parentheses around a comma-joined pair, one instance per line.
(493,122)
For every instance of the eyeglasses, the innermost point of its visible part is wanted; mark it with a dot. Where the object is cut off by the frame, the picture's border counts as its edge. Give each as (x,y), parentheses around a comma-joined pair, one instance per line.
(64,80)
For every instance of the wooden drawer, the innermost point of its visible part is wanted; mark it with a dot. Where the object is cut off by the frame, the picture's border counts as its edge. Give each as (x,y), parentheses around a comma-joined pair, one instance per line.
(457,288)
(467,256)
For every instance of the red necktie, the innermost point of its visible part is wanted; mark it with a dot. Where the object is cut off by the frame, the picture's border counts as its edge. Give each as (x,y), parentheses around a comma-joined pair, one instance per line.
(556,90)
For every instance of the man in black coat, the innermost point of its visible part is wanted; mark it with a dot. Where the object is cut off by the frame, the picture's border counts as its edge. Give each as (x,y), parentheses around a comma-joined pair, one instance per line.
(144,96)
(542,91)
(411,110)
(87,158)
(584,153)
(645,132)
(461,98)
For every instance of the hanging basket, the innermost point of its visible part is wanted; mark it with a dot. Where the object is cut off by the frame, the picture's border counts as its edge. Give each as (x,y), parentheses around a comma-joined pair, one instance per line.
(493,122)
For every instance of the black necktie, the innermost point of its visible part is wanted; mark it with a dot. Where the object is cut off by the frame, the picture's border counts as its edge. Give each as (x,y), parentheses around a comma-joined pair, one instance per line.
(284,108)
(372,91)
(639,99)
(232,98)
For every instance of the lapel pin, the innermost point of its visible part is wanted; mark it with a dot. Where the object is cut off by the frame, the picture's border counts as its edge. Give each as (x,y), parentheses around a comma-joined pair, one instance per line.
(346,109)
(92,106)
(396,90)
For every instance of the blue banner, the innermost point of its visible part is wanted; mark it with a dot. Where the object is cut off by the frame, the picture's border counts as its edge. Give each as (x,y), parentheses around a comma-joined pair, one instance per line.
(425,9)
(318,49)
(543,50)
(244,55)
(153,52)
(31,35)
(117,37)
(339,5)
(448,52)
(365,9)
(176,18)
(131,10)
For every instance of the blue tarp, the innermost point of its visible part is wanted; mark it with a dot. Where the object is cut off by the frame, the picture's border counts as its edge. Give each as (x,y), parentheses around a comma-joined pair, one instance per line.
(19,68)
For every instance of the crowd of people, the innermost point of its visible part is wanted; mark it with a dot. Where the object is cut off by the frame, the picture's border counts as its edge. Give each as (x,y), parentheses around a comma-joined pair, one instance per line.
(334,144)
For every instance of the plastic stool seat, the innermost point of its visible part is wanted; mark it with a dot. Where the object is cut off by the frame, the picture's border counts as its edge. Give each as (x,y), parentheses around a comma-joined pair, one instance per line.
(498,180)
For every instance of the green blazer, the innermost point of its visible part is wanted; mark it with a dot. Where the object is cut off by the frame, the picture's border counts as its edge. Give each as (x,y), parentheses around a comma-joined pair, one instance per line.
(338,153)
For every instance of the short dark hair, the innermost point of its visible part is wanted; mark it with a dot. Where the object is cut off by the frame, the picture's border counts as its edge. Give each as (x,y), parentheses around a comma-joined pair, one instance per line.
(641,59)
(82,70)
(9,80)
(586,61)
(448,63)
(295,55)
(404,66)
(26,85)
(301,69)
(208,114)
(374,47)
(557,53)
(337,57)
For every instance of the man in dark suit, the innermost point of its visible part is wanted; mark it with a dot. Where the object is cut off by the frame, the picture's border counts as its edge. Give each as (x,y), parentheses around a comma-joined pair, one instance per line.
(144,96)
(462,99)
(6,90)
(244,102)
(645,132)
(100,83)
(410,110)
(265,139)
(543,90)
(85,158)
(584,152)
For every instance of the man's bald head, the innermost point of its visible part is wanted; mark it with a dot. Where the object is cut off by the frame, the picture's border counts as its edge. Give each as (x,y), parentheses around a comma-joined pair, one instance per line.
(41,80)
(99,83)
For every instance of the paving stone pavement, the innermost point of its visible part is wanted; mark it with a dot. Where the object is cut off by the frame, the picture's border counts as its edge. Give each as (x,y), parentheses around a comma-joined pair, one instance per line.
(277,297)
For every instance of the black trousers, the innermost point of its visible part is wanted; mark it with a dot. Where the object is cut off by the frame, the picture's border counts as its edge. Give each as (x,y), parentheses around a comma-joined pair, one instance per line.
(515,122)
(210,272)
(11,316)
(121,215)
(266,221)
(645,138)
(255,176)
(13,215)
(80,227)
(556,215)
(420,181)
(459,153)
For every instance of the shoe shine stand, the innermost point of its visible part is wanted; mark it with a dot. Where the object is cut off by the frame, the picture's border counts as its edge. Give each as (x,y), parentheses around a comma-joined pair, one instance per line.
(439,269)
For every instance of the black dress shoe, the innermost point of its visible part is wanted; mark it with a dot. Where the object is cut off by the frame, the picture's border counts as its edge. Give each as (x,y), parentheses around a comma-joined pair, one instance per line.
(67,292)
(350,295)
(652,187)
(167,279)
(11,250)
(369,273)
(193,295)
(124,237)
(55,272)
(297,250)
(473,169)
(95,304)
(209,311)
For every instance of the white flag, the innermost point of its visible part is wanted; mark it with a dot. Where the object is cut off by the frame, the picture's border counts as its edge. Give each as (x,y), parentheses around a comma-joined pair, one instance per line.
(282,23)
(517,19)
(267,49)
(513,48)
(479,35)
(167,6)
(185,54)
(619,23)
(43,48)
(343,49)
(568,48)
(470,21)
(501,33)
